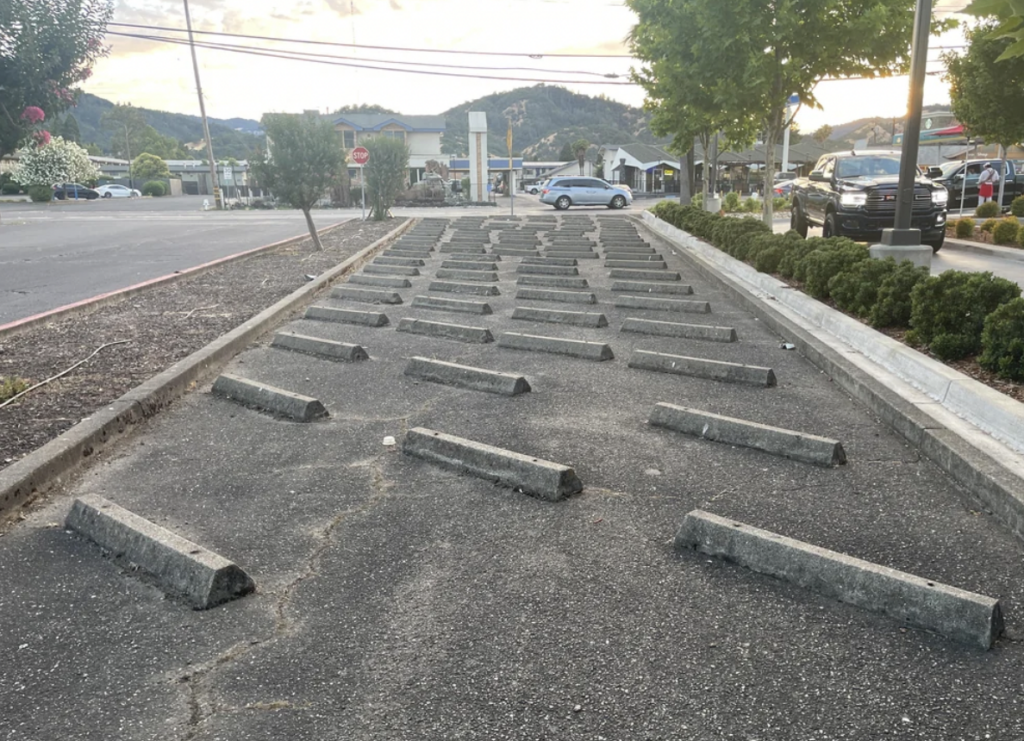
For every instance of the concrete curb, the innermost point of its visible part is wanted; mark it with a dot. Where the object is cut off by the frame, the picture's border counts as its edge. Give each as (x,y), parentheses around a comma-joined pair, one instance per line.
(559,270)
(366,295)
(91,304)
(629,264)
(993,250)
(562,261)
(878,372)
(564,297)
(487,257)
(799,446)
(556,345)
(544,479)
(626,274)
(566,255)
(552,281)
(394,270)
(662,304)
(46,467)
(554,316)
(632,286)
(319,347)
(410,262)
(962,616)
(267,398)
(673,329)
(477,267)
(379,281)
(471,289)
(716,370)
(204,578)
(478,276)
(459,306)
(479,335)
(346,316)
(465,376)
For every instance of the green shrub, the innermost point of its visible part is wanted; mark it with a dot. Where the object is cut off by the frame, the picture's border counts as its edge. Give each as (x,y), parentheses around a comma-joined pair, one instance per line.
(1020,236)
(795,253)
(697,201)
(781,203)
(768,259)
(964,228)
(1005,232)
(987,210)
(988,225)
(154,188)
(893,305)
(40,193)
(752,205)
(11,386)
(1017,206)
(855,290)
(10,189)
(1002,341)
(731,202)
(728,234)
(834,256)
(948,311)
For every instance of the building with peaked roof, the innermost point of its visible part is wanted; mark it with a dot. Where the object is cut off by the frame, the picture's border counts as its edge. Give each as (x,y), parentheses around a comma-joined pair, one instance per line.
(643,167)
(422,134)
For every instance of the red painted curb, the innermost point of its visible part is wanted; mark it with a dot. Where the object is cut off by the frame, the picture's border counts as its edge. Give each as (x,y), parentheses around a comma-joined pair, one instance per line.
(30,321)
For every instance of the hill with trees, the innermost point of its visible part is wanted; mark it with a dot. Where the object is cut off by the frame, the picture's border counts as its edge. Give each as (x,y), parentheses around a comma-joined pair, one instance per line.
(545,119)
(235,137)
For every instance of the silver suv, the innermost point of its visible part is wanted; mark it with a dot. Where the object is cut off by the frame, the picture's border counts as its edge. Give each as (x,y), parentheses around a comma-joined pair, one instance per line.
(571,191)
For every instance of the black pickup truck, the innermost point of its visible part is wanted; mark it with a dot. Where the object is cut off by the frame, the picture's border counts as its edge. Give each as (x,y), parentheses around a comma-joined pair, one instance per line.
(951,175)
(853,194)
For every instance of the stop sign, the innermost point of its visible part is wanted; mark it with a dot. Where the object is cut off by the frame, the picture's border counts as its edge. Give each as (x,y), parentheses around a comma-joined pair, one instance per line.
(360,155)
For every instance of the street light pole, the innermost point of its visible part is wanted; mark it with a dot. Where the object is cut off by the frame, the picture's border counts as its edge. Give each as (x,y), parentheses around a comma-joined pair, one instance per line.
(128,149)
(202,111)
(902,242)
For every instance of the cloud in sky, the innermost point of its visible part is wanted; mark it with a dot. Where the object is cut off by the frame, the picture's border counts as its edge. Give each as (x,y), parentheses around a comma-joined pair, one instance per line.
(158,75)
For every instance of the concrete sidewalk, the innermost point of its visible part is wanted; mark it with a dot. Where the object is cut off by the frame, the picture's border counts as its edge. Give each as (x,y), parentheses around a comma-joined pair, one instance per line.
(401,600)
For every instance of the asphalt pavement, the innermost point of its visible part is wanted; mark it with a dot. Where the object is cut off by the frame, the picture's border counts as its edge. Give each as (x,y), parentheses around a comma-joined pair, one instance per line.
(400,600)
(56,254)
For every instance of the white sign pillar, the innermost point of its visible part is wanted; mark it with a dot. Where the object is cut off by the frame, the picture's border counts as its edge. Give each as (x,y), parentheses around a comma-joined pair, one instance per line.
(478,156)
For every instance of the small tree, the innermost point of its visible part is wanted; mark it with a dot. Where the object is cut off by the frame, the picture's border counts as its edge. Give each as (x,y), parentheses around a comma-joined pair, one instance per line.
(69,130)
(565,154)
(149,167)
(988,95)
(385,173)
(579,148)
(57,162)
(822,133)
(303,163)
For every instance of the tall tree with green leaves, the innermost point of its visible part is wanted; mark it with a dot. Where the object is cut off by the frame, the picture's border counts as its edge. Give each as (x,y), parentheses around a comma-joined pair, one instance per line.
(127,127)
(385,173)
(303,161)
(750,56)
(149,167)
(46,50)
(988,95)
(579,150)
(822,133)
(1010,17)
(69,130)
(565,154)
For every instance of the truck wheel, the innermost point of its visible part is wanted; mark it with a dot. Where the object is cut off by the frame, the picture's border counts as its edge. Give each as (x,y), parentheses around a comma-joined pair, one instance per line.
(936,244)
(797,222)
(829,229)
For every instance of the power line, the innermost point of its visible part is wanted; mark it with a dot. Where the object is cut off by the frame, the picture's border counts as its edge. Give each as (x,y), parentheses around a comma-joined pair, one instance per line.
(367,46)
(314,55)
(292,56)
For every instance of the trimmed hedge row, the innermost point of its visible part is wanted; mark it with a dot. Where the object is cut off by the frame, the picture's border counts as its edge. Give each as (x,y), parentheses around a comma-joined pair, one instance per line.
(954,314)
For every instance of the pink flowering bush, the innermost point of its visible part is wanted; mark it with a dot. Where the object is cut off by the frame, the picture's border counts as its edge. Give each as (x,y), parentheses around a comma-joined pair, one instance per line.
(33,114)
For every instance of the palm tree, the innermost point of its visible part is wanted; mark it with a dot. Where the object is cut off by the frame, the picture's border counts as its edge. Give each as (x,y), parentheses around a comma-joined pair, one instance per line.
(579,148)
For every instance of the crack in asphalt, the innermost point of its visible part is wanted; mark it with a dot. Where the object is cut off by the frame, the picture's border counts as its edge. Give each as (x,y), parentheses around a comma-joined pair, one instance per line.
(202,707)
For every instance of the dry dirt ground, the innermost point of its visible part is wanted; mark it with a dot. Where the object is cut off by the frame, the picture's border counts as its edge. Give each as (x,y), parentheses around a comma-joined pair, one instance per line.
(161,325)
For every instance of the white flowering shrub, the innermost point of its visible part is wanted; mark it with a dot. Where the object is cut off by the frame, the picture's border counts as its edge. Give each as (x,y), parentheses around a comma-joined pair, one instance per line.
(57,162)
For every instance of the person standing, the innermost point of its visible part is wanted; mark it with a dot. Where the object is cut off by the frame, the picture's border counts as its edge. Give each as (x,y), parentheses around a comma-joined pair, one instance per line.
(986,180)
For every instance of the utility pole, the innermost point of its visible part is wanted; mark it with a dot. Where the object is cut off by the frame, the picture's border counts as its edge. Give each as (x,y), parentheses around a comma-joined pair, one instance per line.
(202,111)
(128,149)
(902,242)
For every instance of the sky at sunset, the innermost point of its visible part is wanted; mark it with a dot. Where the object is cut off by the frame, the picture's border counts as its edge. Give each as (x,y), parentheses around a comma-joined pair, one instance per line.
(155,74)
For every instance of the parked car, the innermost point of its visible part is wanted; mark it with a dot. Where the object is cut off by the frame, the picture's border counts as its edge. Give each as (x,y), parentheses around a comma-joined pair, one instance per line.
(73,191)
(784,188)
(113,190)
(569,191)
(853,194)
(951,175)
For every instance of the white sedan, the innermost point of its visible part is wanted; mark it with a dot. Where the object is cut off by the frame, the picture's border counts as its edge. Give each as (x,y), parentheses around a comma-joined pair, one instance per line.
(113,190)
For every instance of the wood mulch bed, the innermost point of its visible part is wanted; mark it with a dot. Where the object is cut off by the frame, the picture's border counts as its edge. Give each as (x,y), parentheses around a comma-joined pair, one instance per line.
(162,326)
